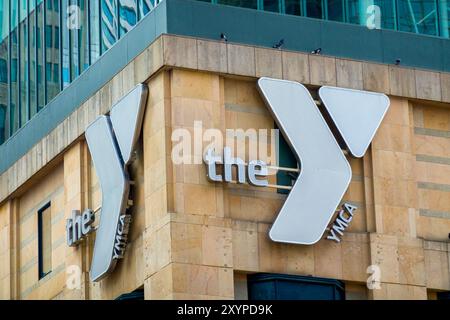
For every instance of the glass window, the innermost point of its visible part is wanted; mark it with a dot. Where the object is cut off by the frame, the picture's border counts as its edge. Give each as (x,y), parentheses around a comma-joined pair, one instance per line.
(314,8)
(253,4)
(388,13)
(40,57)
(145,6)
(418,16)
(292,7)
(33,69)
(83,35)
(74,42)
(128,15)
(52,51)
(354,8)
(95,30)
(65,44)
(4,45)
(444,9)
(109,24)
(23,54)
(335,10)
(45,240)
(272,5)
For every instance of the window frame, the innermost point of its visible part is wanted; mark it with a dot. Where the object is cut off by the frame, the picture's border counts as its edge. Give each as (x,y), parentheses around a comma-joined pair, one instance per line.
(41,273)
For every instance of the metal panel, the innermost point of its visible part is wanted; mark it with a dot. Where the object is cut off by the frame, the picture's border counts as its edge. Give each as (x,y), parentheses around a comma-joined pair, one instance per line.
(357,115)
(111,141)
(126,118)
(325,173)
(115,188)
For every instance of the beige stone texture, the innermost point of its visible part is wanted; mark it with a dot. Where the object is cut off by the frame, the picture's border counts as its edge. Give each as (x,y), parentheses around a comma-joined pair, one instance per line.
(349,74)
(295,66)
(268,63)
(191,238)
(428,85)
(376,77)
(322,70)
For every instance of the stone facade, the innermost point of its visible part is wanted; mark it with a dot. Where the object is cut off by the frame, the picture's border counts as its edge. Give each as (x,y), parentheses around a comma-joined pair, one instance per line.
(193,239)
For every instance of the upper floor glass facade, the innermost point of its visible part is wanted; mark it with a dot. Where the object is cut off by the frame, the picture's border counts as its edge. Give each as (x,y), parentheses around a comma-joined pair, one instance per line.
(429,17)
(46,44)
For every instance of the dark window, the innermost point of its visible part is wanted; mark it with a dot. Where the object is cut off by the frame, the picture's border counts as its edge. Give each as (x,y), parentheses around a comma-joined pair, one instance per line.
(3,71)
(48,36)
(292,7)
(314,8)
(45,240)
(335,10)
(264,286)
(272,5)
(253,4)
(286,159)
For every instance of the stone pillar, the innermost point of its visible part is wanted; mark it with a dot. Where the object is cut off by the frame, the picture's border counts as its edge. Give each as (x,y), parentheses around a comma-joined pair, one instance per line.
(75,173)
(188,243)
(7,249)
(395,248)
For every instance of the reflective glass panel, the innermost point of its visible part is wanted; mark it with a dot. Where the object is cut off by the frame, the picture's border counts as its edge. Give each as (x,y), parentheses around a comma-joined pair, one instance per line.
(40,56)
(128,15)
(33,69)
(74,26)
(335,10)
(292,7)
(109,24)
(65,45)
(145,6)
(83,35)
(272,5)
(418,16)
(253,4)
(314,8)
(23,54)
(94,24)
(4,45)
(444,9)
(52,50)
(14,64)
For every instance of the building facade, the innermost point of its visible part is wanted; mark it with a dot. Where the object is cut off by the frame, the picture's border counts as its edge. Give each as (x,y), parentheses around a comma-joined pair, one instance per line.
(190,237)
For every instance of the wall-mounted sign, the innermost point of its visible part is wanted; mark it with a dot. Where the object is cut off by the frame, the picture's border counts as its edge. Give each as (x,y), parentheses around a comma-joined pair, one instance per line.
(79,226)
(111,140)
(343,219)
(256,172)
(325,172)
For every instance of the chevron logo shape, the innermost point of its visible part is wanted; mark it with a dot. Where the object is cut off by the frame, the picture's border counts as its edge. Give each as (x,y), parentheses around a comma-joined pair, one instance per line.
(111,140)
(325,172)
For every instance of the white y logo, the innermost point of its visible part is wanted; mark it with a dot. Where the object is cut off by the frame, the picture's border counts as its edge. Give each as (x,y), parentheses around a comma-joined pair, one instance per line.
(111,140)
(325,172)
